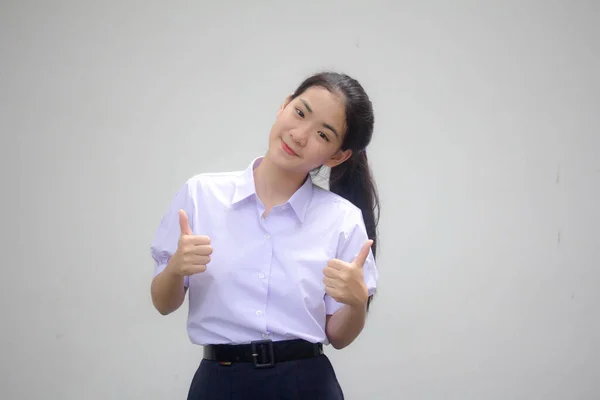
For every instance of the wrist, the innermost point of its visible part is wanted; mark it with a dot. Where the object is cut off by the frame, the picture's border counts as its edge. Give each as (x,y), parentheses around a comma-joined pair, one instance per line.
(361,300)
(360,305)
(171,268)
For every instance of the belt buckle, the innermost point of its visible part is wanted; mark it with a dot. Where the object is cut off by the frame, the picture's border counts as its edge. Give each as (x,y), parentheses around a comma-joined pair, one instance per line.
(270,355)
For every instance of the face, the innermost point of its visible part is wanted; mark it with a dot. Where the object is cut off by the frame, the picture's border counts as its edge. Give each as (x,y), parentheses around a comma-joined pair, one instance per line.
(309,131)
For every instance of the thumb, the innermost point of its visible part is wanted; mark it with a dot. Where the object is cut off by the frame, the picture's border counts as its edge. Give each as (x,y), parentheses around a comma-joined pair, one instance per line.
(360,259)
(184,224)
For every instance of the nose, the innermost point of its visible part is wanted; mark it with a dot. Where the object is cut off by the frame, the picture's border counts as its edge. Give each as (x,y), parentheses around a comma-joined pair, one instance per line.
(300,136)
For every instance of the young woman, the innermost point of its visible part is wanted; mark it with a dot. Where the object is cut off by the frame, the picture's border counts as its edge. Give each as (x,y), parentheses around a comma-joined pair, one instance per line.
(276,266)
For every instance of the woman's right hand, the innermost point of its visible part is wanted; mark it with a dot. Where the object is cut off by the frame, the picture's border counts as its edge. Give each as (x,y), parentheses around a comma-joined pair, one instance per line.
(193,251)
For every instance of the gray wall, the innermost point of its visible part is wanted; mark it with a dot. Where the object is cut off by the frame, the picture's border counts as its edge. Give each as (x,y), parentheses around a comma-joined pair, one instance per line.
(487,114)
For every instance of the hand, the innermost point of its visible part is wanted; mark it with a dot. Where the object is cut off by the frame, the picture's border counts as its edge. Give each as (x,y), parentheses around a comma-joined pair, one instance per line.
(344,282)
(193,251)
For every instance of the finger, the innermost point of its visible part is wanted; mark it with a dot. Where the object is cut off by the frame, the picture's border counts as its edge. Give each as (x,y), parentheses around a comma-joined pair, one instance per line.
(330,282)
(195,259)
(200,260)
(194,269)
(336,264)
(360,259)
(202,250)
(330,272)
(197,240)
(184,223)
(332,292)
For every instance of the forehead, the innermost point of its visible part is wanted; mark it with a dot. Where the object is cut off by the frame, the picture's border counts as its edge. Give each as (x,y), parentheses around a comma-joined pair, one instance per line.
(328,107)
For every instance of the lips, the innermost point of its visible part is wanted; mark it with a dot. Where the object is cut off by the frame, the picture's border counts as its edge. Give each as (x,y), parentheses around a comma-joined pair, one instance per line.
(288,149)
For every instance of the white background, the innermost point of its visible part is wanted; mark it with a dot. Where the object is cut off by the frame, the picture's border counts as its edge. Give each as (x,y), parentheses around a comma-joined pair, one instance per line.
(486,153)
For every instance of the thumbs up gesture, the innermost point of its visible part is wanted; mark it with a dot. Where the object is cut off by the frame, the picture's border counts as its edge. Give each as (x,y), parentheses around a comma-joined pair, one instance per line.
(344,282)
(193,251)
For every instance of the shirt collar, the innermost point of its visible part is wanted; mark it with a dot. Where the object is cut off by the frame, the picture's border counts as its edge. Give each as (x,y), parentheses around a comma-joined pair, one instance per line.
(245,187)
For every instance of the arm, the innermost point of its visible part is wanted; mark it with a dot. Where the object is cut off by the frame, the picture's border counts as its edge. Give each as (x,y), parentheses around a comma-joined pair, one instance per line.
(344,283)
(168,291)
(170,285)
(344,326)
(350,282)
(173,250)
(168,288)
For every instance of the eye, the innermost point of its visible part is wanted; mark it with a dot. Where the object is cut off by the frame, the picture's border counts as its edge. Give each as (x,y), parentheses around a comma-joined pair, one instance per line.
(323,136)
(299,112)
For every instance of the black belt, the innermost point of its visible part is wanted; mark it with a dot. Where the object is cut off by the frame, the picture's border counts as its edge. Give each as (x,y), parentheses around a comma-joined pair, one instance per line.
(263,353)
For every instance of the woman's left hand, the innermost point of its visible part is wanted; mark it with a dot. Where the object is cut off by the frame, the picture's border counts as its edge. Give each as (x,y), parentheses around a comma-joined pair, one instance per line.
(344,282)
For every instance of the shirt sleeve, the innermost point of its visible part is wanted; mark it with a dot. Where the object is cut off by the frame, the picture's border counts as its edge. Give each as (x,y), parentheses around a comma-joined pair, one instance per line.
(351,241)
(167,235)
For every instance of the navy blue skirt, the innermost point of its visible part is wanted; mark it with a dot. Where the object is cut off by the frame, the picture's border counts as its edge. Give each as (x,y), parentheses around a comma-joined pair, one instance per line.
(307,379)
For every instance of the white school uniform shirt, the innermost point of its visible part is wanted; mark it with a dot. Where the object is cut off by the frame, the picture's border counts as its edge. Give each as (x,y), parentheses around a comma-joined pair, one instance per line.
(265,277)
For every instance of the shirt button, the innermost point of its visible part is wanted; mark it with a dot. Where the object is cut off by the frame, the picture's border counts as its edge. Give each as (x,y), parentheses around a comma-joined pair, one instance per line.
(259,313)
(268,236)
(261,275)
(265,335)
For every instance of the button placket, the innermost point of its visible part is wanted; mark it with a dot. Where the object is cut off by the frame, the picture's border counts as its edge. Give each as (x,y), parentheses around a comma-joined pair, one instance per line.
(264,269)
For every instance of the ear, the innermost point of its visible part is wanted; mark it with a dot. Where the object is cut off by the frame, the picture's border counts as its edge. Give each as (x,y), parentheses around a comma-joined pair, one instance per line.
(339,157)
(285,103)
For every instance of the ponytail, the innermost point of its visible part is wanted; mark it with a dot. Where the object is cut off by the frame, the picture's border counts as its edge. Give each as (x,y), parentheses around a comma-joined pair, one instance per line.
(353,181)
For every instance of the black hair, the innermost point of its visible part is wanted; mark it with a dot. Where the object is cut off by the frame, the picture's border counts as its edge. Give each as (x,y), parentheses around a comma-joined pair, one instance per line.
(352,179)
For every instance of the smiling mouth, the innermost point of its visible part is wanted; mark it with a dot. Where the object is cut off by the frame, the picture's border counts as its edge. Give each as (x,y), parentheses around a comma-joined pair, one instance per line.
(288,149)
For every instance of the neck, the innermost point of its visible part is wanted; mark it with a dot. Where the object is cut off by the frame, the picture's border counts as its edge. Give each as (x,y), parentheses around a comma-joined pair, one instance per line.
(275,186)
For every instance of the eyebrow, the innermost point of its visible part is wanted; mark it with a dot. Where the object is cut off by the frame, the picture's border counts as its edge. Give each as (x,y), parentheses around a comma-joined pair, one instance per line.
(326,125)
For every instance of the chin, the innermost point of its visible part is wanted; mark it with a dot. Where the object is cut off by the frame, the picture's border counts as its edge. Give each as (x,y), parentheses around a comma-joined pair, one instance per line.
(285,161)
(282,160)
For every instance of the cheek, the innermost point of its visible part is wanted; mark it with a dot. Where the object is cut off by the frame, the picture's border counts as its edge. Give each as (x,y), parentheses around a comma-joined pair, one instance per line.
(323,147)
(280,125)
(320,153)
(275,130)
